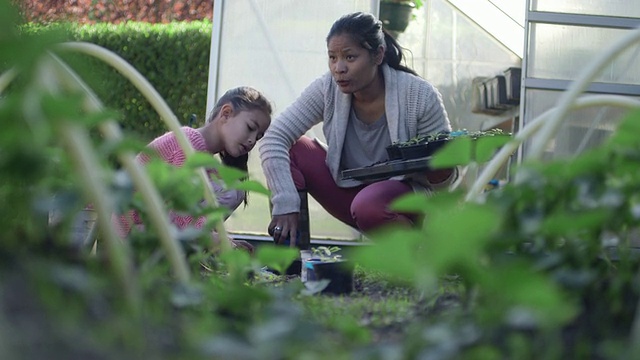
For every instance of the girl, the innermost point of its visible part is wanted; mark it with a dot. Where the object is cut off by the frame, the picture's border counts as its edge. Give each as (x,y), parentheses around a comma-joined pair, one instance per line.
(239,119)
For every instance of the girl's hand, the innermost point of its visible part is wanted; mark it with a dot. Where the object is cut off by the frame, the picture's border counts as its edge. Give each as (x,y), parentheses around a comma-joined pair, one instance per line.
(283,227)
(235,244)
(242,245)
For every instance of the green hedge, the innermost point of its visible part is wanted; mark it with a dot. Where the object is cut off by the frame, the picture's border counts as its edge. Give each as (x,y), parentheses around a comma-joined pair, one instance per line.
(173,57)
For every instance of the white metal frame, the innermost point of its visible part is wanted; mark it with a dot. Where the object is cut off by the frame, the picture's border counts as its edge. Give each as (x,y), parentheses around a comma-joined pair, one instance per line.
(530,83)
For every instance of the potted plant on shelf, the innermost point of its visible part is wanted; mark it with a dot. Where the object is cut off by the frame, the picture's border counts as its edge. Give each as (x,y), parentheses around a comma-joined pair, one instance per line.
(324,264)
(396,14)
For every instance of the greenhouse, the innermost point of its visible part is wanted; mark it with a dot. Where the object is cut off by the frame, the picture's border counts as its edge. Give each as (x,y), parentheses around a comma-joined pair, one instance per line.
(537,47)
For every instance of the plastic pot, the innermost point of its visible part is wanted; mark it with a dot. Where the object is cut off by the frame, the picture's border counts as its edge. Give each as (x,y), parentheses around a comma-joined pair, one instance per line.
(339,273)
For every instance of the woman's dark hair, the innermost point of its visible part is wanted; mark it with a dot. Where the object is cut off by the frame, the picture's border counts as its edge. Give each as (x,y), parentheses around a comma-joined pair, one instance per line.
(369,32)
(242,98)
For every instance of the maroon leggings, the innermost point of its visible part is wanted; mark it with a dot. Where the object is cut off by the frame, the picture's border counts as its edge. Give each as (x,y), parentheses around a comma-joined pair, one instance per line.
(364,207)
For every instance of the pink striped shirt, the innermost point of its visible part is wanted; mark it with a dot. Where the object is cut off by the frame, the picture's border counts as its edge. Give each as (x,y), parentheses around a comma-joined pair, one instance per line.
(169,150)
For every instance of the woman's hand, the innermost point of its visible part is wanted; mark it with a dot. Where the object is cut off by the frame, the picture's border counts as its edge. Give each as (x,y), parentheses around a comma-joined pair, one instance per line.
(283,226)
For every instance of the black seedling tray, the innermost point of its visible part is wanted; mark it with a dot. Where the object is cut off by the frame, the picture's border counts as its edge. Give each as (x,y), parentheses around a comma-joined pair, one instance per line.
(387,169)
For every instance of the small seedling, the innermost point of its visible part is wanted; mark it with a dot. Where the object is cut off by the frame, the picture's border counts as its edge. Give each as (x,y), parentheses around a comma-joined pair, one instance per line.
(326,254)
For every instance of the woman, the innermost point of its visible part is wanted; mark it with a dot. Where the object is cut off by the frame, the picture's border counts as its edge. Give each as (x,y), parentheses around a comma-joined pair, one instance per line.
(366,101)
(238,120)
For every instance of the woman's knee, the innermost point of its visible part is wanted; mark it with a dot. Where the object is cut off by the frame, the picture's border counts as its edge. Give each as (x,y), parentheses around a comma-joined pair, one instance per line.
(307,162)
(370,208)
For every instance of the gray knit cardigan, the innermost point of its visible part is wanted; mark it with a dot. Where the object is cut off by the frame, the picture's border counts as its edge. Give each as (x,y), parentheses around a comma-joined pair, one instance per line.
(413,107)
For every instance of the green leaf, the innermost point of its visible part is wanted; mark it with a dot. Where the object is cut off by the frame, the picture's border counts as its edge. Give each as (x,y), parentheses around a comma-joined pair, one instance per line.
(63,108)
(412,202)
(253,186)
(626,133)
(96,118)
(276,257)
(201,159)
(393,252)
(230,175)
(572,223)
(457,235)
(128,143)
(516,286)
(487,146)
(238,263)
(422,203)
(456,152)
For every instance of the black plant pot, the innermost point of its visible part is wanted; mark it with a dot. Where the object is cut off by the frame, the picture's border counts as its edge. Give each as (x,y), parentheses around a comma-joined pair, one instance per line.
(395,16)
(339,274)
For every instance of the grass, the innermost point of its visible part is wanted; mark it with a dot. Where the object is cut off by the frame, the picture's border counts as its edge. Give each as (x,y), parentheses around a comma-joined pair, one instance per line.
(380,309)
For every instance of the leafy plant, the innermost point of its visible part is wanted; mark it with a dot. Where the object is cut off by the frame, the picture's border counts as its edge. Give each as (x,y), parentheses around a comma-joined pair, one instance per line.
(326,254)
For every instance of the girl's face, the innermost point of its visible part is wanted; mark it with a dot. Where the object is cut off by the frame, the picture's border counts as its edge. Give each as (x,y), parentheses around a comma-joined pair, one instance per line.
(241,130)
(353,67)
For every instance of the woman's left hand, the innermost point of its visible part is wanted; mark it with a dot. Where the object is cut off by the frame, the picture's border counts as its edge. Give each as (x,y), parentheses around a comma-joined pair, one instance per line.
(283,227)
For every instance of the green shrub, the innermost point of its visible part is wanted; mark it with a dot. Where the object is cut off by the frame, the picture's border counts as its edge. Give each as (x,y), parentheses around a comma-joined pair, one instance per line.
(173,57)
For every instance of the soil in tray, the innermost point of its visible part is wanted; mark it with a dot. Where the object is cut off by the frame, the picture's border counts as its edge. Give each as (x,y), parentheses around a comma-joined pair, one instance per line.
(416,151)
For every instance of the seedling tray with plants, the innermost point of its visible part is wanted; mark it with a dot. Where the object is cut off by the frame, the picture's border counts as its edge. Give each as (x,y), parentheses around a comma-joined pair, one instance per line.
(418,147)
(415,154)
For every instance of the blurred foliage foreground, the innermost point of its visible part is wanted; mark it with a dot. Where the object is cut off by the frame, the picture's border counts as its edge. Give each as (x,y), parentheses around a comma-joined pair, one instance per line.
(541,268)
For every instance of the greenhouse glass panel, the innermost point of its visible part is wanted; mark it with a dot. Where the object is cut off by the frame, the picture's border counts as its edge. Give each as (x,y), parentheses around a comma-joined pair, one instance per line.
(622,8)
(581,130)
(450,50)
(562,52)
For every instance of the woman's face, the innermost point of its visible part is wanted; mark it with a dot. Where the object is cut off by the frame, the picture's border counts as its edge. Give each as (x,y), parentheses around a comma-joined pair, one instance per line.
(353,67)
(241,130)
